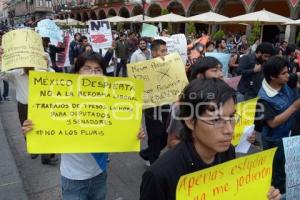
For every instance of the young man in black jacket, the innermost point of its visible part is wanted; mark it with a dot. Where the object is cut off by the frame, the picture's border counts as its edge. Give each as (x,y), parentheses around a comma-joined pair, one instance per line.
(250,67)
(208,113)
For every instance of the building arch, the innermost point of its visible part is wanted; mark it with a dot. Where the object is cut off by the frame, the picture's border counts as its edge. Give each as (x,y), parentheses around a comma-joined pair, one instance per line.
(124,12)
(78,17)
(282,7)
(85,17)
(154,10)
(137,10)
(297,13)
(102,14)
(176,8)
(232,8)
(197,7)
(93,15)
(111,13)
(273,6)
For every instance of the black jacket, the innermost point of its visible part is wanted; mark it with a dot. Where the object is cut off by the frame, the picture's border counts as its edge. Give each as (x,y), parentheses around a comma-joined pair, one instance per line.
(251,81)
(160,180)
(53,50)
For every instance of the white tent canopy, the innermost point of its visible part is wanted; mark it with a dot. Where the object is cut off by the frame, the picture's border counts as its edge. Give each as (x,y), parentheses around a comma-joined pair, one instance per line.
(208,18)
(69,22)
(263,16)
(58,21)
(116,19)
(171,17)
(296,22)
(73,22)
(138,18)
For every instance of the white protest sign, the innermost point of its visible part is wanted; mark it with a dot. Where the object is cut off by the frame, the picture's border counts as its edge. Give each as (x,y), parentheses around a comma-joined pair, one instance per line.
(180,45)
(244,145)
(176,43)
(62,58)
(292,167)
(224,59)
(149,30)
(100,34)
(48,28)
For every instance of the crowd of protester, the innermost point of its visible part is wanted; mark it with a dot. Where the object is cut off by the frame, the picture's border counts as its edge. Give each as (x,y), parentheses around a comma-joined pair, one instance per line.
(268,71)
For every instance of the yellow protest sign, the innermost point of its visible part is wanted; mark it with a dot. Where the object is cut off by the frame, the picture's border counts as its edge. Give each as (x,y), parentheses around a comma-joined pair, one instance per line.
(245,178)
(22,48)
(164,79)
(246,111)
(79,114)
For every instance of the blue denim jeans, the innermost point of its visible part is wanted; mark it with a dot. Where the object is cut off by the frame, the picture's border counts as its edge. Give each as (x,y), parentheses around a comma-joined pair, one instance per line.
(90,189)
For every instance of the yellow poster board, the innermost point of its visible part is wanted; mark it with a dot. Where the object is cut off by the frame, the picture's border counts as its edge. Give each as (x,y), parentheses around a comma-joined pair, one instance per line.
(22,48)
(245,178)
(246,111)
(83,114)
(164,79)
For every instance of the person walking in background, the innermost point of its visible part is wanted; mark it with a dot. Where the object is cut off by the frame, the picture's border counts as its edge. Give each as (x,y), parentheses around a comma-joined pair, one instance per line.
(79,48)
(73,44)
(122,53)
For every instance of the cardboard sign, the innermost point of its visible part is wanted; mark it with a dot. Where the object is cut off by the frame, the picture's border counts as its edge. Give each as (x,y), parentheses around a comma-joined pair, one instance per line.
(83,114)
(22,48)
(164,79)
(100,34)
(224,58)
(63,57)
(246,110)
(176,43)
(48,28)
(149,31)
(244,178)
(292,167)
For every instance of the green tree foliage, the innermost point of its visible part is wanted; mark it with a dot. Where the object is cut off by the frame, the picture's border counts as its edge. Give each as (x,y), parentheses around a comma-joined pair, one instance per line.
(191,28)
(255,32)
(218,35)
(164,11)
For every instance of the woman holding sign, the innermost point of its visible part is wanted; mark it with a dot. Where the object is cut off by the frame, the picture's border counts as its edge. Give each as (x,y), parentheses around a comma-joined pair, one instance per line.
(207,110)
(84,176)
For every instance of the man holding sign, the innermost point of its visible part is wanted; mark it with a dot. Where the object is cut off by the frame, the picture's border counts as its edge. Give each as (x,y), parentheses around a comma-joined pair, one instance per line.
(208,113)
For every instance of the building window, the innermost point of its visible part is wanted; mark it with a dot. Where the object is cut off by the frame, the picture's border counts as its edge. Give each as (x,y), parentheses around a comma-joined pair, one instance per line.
(40,3)
(49,3)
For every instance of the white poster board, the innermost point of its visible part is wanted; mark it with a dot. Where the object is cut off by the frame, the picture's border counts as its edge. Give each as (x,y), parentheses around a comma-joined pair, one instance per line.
(100,34)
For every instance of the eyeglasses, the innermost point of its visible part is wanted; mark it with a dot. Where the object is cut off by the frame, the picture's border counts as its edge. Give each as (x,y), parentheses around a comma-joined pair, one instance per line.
(87,70)
(220,122)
